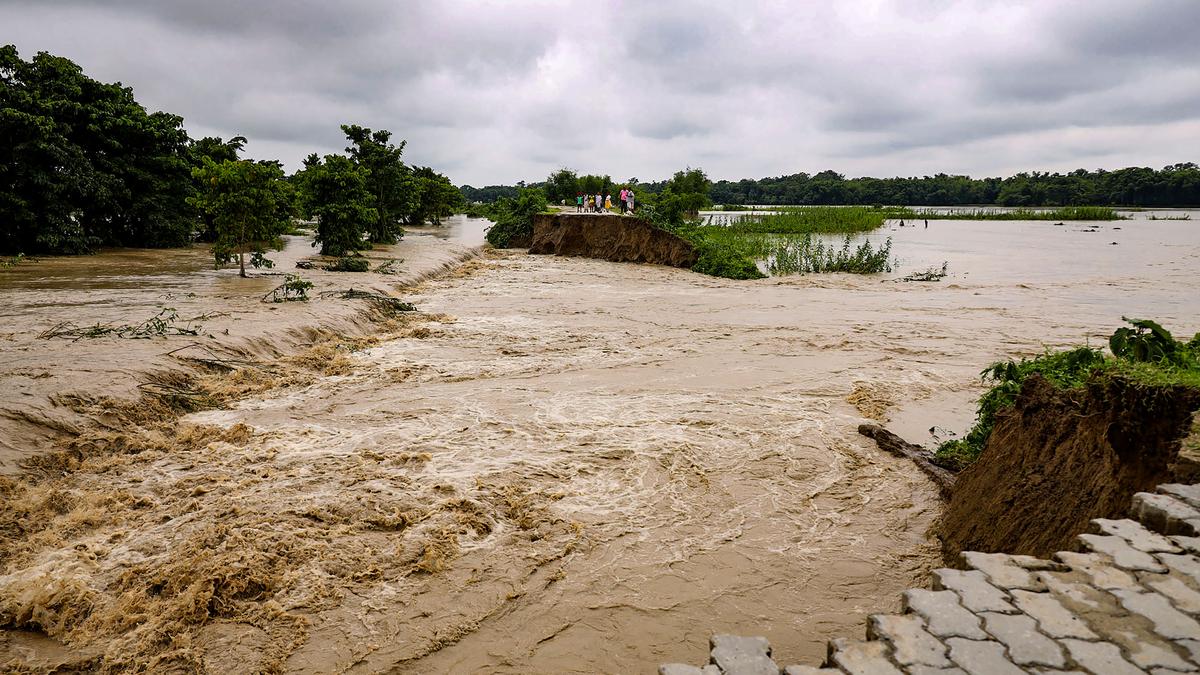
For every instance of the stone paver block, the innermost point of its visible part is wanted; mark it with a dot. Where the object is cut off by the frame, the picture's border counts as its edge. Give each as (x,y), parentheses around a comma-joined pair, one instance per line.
(1008,571)
(1188,544)
(1148,651)
(1188,493)
(911,643)
(1168,621)
(1136,535)
(930,670)
(974,590)
(1166,514)
(944,615)
(1053,619)
(981,658)
(736,655)
(1026,646)
(1181,595)
(1187,565)
(1165,671)
(1100,657)
(861,658)
(1076,596)
(808,670)
(1122,554)
(1100,568)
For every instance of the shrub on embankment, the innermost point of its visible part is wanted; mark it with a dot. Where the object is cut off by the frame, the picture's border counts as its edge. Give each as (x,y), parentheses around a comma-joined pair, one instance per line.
(1145,352)
(1069,437)
(513,219)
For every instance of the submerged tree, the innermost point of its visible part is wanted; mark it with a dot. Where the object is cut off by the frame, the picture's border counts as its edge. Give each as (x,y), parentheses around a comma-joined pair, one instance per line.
(83,164)
(436,198)
(250,204)
(391,184)
(334,191)
(218,150)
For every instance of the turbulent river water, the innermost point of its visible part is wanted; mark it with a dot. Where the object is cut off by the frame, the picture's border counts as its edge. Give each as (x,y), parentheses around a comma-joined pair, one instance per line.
(582,466)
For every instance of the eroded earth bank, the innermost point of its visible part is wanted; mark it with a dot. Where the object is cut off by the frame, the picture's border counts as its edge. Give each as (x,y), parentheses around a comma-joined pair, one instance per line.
(557,464)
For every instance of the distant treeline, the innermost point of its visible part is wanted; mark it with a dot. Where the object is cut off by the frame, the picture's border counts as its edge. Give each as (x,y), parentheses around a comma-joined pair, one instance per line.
(83,165)
(1175,185)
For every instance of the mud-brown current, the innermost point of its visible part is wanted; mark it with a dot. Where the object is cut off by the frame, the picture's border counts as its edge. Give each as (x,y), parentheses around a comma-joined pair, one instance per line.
(560,465)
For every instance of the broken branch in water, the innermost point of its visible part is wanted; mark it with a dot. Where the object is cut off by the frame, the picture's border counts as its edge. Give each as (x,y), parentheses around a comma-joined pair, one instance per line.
(893,444)
(931,274)
(384,303)
(213,360)
(391,266)
(294,287)
(159,325)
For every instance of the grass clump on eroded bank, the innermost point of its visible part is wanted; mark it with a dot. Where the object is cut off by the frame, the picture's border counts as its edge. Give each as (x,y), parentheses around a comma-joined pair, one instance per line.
(1144,352)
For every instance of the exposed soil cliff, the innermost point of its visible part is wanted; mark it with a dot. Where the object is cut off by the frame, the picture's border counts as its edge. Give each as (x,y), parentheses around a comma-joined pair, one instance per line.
(609,237)
(1059,458)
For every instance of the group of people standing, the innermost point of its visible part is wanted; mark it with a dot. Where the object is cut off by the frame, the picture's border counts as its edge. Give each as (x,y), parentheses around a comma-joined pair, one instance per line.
(600,203)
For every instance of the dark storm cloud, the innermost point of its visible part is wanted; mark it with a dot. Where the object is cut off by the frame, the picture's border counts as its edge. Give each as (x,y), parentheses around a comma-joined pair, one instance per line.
(502,91)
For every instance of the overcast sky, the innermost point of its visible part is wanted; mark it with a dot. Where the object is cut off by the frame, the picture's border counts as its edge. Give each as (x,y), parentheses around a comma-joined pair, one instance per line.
(495,92)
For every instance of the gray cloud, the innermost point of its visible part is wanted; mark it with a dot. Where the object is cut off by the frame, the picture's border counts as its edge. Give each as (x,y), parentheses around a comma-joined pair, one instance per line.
(499,92)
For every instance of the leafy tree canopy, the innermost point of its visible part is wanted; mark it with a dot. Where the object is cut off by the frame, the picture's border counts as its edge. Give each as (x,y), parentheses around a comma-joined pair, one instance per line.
(250,204)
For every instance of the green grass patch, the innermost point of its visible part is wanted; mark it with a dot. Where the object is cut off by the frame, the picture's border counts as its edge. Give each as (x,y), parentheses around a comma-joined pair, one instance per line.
(1143,352)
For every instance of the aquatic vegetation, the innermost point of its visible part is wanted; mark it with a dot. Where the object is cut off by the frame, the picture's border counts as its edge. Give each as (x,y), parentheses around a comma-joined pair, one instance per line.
(1063,213)
(719,261)
(1146,353)
(807,255)
(813,219)
(13,261)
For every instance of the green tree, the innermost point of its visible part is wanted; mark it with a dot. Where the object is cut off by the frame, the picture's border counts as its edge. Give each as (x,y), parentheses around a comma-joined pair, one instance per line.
(562,184)
(250,204)
(393,188)
(436,196)
(683,196)
(218,150)
(336,195)
(83,164)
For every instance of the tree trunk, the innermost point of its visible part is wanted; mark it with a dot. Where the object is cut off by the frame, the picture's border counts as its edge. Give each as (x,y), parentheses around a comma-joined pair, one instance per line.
(242,263)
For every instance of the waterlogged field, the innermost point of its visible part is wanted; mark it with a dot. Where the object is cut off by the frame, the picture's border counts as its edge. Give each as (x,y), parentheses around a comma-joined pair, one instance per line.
(560,465)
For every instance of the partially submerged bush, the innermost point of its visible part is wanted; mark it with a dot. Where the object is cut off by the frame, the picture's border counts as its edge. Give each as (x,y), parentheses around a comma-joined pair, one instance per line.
(348,263)
(514,218)
(1146,352)
(723,262)
(803,256)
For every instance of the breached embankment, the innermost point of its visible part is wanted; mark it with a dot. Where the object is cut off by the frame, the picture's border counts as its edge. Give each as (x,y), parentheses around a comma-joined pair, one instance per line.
(57,389)
(609,237)
(1059,458)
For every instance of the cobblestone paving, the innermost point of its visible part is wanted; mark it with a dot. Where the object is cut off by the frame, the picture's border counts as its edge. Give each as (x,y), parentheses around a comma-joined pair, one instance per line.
(1127,602)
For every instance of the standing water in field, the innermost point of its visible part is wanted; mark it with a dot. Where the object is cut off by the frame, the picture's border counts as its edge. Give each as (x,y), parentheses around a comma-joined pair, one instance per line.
(570,464)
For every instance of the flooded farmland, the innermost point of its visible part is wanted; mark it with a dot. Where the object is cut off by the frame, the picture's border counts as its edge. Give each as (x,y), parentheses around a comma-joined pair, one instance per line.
(557,465)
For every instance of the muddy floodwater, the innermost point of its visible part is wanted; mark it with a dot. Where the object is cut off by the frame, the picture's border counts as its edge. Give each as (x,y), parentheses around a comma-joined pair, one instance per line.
(562,465)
